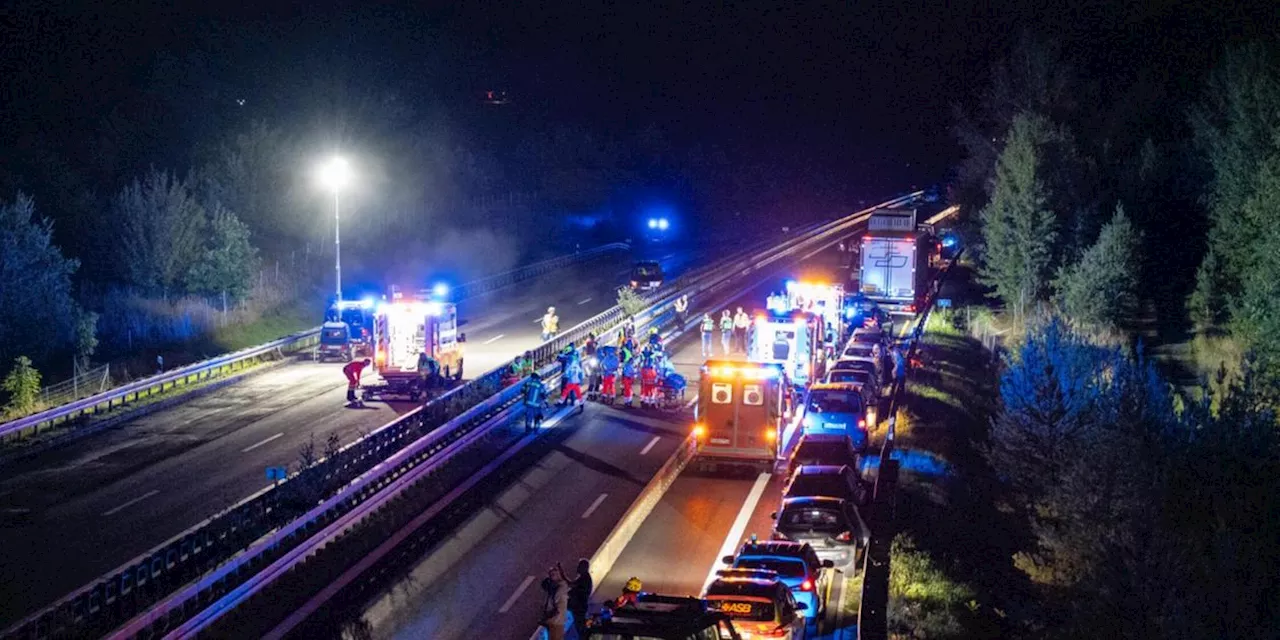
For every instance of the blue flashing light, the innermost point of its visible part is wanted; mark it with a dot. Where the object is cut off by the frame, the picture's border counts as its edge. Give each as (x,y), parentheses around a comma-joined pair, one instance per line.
(440,290)
(663,224)
(949,241)
(653,223)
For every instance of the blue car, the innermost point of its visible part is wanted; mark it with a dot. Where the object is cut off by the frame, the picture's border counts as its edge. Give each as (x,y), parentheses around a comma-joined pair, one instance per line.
(797,566)
(837,409)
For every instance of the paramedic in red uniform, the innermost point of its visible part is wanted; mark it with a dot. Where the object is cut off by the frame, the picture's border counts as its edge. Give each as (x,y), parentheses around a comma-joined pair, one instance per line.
(352,371)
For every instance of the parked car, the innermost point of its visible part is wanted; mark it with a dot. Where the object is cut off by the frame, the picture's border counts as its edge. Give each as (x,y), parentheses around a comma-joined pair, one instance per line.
(829,481)
(823,449)
(759,604)
(796,564)
(832,526)
(842,409)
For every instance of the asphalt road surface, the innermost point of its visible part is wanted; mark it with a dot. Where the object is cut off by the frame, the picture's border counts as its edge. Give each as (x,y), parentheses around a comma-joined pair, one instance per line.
(576,496)
(74,513)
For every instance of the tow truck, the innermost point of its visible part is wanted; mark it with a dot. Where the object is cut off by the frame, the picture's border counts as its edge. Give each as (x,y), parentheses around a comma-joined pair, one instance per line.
(740,412)
(404,327)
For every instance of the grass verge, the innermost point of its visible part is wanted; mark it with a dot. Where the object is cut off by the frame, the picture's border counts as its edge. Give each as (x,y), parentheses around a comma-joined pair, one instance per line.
(952,574)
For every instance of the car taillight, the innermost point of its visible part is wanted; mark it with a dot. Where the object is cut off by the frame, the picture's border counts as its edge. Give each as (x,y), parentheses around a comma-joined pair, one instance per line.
(807,585)
(845,537)
(862,423)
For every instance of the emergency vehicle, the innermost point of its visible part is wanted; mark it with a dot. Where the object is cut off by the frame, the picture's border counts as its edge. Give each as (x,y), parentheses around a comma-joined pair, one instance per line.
(740,413)
(347,332)
(403,328)
(794,340)
(819,298)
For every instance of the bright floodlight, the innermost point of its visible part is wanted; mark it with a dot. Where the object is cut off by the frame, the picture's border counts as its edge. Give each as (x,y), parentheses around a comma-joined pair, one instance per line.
(440,290)
(663,224)
(653,224)
(335,174)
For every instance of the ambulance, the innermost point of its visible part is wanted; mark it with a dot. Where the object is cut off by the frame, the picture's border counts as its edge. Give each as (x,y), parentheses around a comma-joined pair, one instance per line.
(794,340)
(403,328)
(740,414)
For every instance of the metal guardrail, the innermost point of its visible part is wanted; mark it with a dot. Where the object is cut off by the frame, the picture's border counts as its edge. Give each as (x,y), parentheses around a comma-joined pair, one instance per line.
(873,606)
(239,360)
(158,383)
(201,548)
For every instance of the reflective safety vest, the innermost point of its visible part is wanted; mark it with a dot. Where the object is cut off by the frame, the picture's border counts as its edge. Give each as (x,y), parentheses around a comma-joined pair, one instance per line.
(708,325)
(551,323)
(726,323)
(534,392)
(681,304)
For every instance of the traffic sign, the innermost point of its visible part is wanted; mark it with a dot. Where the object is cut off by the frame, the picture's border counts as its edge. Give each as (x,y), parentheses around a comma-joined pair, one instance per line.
(277,473)
(944,303)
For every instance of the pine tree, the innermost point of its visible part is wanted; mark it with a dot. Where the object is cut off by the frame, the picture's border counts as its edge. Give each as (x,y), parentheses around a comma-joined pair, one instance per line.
(228,262)
(1018,227)
(35,284)
(1100,290)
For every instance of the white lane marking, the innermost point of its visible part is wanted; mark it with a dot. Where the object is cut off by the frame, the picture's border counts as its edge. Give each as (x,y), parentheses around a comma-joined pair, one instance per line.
(730,545)
(255,446)
(495,338)
(506,606)
(594,505)
(130,503)
(649,446)
(582,302)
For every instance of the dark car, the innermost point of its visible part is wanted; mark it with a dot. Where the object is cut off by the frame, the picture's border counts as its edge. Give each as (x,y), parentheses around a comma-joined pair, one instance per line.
(646,275)
(867,379)
(832,526)
(664,618)
(796,564)
(824,449)
(827,480)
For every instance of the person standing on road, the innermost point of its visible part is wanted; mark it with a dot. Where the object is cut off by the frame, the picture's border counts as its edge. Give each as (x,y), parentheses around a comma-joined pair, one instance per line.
(608,373)
(580,596)
(740,323)
(726,332)
(555,608)
(550,324)
(708,329)
(628,377)
(571,389)
(535,395)
(899,364)
(682,310)
(352,371)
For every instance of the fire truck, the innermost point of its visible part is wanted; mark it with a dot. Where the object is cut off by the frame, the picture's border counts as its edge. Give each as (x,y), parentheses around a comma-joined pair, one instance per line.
(405,327)
(741,407)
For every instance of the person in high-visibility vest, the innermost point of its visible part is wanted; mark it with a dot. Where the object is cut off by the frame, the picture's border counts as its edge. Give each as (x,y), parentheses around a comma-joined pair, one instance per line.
(726,331)
(708,328)
(682,310)
(550,324)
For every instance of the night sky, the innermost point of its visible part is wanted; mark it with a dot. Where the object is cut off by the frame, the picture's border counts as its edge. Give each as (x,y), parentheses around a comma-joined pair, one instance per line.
(860,93)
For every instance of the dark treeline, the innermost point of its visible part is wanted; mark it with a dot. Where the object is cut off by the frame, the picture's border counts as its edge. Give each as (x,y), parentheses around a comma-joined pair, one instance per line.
(1116,211)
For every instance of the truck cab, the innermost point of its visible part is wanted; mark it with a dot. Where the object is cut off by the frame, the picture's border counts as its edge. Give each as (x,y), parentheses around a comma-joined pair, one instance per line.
(740,413)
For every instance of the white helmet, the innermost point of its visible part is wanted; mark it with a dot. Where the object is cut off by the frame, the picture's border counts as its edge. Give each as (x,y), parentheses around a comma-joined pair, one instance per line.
(551,309)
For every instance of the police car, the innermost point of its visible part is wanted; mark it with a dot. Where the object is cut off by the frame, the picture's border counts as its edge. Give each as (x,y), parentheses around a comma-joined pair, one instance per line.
(759,603)
(797,566)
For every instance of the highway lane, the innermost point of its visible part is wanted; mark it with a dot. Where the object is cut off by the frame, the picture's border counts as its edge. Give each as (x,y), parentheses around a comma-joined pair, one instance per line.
(74,513)
(611,452)
(702,518)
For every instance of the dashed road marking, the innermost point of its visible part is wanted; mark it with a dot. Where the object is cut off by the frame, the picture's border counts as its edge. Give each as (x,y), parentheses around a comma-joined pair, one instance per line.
(594,505)
(506,606)
(255,446)
(582,302)
(130,503)
(495,338)
(649,446)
